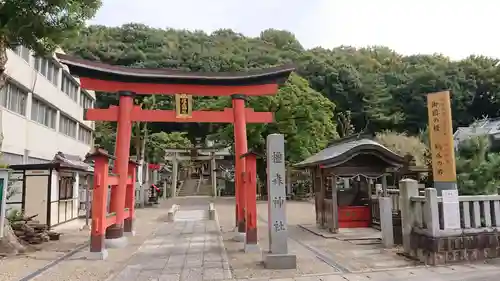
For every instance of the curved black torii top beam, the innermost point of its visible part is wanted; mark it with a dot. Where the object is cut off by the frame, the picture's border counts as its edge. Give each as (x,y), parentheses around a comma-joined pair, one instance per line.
(101,71)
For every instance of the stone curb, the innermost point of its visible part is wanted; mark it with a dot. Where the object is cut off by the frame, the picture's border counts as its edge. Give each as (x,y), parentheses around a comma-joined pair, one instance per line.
(227,268)
(171,212)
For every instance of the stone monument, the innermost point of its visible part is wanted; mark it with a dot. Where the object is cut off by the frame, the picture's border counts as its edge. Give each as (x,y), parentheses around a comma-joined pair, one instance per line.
(277,257)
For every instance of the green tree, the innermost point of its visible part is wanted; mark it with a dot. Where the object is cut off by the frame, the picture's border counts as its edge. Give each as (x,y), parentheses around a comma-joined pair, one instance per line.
(105,135)
(382,90)
(478,170)
(41,25)
(158,142)
(403,144)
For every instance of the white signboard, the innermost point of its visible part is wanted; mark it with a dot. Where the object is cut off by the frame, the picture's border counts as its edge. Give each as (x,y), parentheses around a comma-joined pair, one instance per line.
(276,194)
(451,209)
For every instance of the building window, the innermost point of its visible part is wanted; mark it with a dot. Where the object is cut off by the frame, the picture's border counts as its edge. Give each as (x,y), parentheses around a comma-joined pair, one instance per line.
(67,126)
(23,52)
(66,187)
(34,160)
(11,159)
(47,68)
(43,113)
(69,86)
(85,100)
(85,135)
(13,98)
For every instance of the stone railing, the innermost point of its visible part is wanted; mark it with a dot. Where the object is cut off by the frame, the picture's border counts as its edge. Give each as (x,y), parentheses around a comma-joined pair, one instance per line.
(425,236)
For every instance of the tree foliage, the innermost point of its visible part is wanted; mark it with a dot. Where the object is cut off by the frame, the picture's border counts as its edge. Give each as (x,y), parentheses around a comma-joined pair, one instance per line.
(158,142)
(41,25)
(368,89)
(478,170)
(404,145)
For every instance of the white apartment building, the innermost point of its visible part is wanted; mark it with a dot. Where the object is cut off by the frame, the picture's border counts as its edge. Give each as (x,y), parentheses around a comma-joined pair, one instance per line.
(42,108)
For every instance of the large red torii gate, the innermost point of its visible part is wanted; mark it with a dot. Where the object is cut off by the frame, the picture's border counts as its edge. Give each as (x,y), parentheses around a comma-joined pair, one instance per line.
(128,82)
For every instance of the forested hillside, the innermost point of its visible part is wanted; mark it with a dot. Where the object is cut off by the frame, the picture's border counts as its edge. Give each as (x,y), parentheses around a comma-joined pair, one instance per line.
(377,87)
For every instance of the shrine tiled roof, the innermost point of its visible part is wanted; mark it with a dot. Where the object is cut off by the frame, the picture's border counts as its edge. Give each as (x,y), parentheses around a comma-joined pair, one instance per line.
(342,150)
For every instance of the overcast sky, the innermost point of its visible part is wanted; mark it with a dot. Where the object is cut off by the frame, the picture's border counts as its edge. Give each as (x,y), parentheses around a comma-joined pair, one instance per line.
(454,28)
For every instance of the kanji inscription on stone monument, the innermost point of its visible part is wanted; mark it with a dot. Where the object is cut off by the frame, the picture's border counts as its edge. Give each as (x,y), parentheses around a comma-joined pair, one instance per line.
(277,194)
(278,179)
(277,257)
(278,202)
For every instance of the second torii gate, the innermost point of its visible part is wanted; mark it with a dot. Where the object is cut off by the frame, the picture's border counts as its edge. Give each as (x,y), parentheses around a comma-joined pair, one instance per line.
(128,82)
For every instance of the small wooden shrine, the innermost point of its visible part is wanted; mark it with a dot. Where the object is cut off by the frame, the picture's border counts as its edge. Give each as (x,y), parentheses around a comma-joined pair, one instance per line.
(344,175)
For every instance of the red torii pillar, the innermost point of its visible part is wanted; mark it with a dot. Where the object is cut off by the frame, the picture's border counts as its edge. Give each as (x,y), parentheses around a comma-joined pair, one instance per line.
(115,232)
(240,147)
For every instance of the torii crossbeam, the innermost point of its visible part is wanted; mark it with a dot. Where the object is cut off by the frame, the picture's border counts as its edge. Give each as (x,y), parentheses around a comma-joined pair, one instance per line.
(143,115)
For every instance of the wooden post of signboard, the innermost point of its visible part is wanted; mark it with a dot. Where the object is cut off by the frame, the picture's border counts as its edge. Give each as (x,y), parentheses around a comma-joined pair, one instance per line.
(443,156)
(441,139)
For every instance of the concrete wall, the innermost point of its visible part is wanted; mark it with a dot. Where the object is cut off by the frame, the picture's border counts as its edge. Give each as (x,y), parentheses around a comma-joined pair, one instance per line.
(27,137)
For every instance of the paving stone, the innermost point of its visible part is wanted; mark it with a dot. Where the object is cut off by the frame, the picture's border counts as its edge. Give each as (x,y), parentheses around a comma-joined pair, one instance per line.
(148,275)
(356,277)
(485,266)
(401,273)
(441,269)
(183,250)
(310,278)
(462,268)
(192,274)
(378,276)
(213,274)
(210,264)
(129,273)
(172,270)
(332,277)
(169,277)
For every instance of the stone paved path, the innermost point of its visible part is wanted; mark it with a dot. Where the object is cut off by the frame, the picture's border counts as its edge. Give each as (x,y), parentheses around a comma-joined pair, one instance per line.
(190,248)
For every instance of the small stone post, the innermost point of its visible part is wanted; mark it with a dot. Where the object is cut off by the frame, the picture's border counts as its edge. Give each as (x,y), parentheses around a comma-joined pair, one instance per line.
(278,256)
(4,178)
(431,211)
(175,171)
(385,205)
(213,175)
(87,201)
(407,189)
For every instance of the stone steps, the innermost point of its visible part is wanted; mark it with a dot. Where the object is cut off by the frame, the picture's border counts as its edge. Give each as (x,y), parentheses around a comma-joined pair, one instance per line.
(189,188)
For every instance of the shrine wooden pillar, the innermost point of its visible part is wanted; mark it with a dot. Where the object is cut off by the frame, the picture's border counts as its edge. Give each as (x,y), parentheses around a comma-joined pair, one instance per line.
(122,154)
(240,145)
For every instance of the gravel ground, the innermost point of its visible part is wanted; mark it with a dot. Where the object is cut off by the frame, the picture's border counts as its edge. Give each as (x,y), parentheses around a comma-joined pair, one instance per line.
(249,265)
(14,268)
(315,255)
(77,267)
